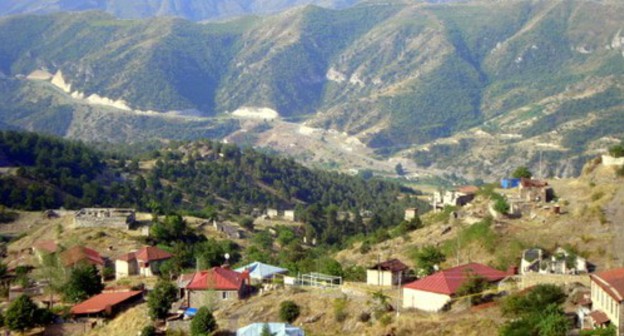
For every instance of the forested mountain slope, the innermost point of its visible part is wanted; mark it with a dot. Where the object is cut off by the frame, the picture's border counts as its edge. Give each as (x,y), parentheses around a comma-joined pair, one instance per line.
(397,75)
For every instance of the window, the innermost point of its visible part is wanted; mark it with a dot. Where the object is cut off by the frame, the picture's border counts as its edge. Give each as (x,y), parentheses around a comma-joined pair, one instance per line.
(224,295)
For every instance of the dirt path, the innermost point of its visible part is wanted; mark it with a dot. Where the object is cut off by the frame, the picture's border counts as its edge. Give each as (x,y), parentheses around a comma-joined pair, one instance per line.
(615,214)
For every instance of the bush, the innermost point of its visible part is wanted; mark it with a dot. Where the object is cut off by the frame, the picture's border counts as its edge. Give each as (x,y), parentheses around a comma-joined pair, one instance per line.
(148,331)
(427,257)
(617,151)
(385,319)
(23,314)
(364,317)
(203,323)
(340,306)
(501,206)
(289,311)
(521,172)
(160,299)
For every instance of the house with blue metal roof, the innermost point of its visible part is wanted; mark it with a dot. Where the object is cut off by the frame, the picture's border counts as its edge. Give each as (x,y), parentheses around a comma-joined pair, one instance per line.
(276,329)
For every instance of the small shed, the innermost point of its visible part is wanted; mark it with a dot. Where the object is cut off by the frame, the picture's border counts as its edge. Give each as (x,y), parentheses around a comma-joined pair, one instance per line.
(387,273)
(510,183)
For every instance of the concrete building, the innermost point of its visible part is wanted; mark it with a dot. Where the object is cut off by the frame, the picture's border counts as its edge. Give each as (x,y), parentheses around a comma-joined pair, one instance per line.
(289,215)
(410,213)
(144,262)
(535,190)
(607,296)
(457,197)
(387,273)
(104,217)
(434,292)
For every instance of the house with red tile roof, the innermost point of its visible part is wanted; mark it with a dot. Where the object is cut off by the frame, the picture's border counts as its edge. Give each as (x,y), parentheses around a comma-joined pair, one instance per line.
(107,304)
(214,285)
(434,292)
(387,273)
(80,254)
(144,262)
(607,297)
(43,247)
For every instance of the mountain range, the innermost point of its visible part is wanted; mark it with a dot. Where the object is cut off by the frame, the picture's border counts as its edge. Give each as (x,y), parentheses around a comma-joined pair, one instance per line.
(491,84)
(196,10)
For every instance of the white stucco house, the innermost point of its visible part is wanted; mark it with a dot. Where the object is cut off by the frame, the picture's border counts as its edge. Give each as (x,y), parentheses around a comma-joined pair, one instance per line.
(434,292)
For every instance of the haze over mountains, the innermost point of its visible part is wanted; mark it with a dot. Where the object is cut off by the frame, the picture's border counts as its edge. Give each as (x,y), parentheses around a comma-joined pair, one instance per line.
(488,84)
(196,10)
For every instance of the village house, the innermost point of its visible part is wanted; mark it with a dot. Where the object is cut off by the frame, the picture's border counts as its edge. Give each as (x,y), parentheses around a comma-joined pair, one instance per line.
(410,213)
(272,213)
(457,197)
(535,190)
(107,304)
(607,296)
(387,273)
(79,254)
(211,286)
(144,262)
(44,247)
(230,231)
(534,260)
(608,160)
(434,292)
(289,215)
(260,272)
(104,217)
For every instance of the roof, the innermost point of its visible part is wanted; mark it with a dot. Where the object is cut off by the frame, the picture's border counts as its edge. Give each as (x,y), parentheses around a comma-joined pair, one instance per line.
(80,253)
(101,302)
(276,329)
(599,317)
(612,282)
(468,189)
(530,183)
(217,278)
(392,265)
(49,246)
(127,256)
(448,281)
(258,270)
(152,253)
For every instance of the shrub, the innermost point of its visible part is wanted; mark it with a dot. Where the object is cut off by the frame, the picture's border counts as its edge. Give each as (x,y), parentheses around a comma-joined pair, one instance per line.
(617,151)
(522,171)
(160,299)
(340,306)
(365,247)
(501,206)
(289,311)
(364,317)
(148,331)
(385,319)
(203,323)
(23,314)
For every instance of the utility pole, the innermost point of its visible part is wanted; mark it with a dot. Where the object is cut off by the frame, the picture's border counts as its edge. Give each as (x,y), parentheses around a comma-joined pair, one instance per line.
(398,305)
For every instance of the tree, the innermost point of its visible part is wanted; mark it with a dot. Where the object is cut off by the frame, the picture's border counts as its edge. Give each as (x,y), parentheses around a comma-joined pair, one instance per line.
(84,282)
(24,314)
(160,299)
(399,169)
(203,323)
(521,172)
(501,206)
(289,311)
(247,223)
(617,151)
(473,286)
(537,313)
(427,257)
(266,331)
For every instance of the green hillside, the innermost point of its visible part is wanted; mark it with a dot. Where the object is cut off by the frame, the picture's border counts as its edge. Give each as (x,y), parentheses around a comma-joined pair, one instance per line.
(395,75)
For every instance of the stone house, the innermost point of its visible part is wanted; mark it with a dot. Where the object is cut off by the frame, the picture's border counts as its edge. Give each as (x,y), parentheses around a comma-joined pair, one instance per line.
(104,217)
(535,260)
(457,197)
(535,190)
(410,213)
(211,286)
(144,262)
